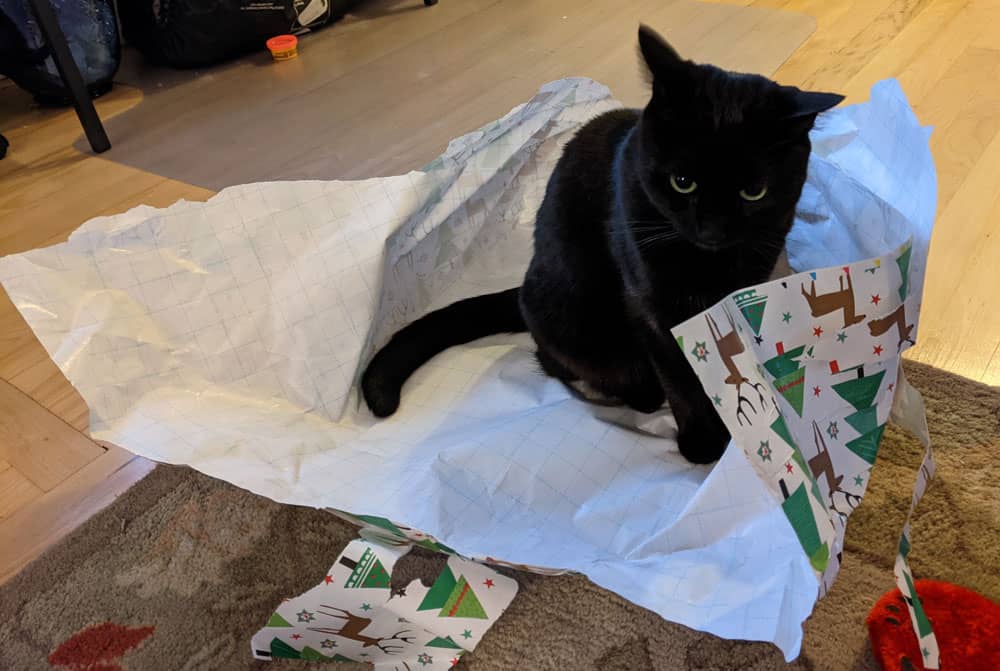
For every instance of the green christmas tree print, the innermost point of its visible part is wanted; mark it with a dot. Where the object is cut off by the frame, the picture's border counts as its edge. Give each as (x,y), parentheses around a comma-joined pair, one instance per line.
(366,572)
(277,621)
(861,393)
(800,515)
(454,597)
(866,446)
(752,307)
(789,376)
(445,642)
(387,525)
(864,420)
(904,268)
(463,602)
(281,650)
(439,591)
(381,523)
(923,623)
(781,428)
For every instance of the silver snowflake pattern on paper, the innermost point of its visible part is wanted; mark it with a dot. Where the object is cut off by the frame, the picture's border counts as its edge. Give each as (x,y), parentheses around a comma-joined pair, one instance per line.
(700,351)
(424,659)
(305,616)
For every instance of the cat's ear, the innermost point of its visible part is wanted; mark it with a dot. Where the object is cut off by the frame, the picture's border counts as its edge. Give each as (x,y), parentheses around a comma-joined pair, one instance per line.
(660,57)
(810,103)
(801,109)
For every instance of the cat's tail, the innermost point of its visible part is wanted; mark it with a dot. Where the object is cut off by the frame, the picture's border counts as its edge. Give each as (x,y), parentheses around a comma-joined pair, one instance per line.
(413,346)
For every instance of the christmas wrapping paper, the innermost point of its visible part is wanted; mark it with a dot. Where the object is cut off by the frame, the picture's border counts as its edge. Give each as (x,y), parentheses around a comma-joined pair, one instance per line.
(357,614)
(804,371)
(229,335)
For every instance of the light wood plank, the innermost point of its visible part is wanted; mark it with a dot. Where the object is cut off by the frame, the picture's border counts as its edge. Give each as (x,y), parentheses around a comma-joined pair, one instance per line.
(435,87)
(964,126)
(936,22)
(816,64)
(964,241)
(16,491)
(38,444)
(47,189)
(35,527)
(876,24)
(992,374)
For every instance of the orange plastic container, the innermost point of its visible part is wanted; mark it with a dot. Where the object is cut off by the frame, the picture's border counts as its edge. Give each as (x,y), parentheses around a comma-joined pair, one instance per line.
(283,47)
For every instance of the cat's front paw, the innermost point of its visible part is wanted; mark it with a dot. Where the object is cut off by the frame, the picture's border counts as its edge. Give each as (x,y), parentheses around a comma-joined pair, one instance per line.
(702,442)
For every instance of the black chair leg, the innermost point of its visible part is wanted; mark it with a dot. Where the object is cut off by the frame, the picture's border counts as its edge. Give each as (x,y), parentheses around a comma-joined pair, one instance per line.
(71,76)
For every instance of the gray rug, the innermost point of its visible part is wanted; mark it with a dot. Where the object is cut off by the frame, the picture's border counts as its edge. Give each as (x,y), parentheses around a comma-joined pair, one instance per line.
(182,570)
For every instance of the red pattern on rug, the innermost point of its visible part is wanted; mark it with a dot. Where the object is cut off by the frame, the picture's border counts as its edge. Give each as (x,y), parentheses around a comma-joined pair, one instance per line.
(99,647)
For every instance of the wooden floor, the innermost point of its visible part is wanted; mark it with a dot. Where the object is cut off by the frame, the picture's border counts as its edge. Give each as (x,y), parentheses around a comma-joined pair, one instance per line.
(946,54)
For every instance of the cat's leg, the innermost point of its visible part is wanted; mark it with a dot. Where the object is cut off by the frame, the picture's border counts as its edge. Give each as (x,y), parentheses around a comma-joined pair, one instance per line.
(701,435)
(633,380)
(609,379)
(643,391)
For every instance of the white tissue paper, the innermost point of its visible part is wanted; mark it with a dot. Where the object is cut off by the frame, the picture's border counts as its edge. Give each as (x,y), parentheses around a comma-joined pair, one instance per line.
(229,335)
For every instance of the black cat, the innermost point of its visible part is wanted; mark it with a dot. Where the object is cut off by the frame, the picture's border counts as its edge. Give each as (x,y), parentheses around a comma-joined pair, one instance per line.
(649,217)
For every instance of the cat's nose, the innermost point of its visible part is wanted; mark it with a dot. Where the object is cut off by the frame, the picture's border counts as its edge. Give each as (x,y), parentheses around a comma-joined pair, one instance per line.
(710,235)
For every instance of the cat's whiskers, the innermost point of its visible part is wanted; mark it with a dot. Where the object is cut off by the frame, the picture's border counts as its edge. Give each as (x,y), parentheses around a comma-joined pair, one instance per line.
(766,250)
(643,229)
(770,246)
(653,239)
(661,222)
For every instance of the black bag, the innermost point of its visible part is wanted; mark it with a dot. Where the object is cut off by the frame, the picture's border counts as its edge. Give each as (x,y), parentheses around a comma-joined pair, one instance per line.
(194,33)
(91,31)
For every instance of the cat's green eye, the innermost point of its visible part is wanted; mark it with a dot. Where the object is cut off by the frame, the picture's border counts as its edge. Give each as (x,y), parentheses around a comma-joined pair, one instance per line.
(754,195)
(683,184)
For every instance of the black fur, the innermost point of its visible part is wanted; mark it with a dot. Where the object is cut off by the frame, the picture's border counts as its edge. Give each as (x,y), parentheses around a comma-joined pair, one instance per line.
(621,255)
(409,349)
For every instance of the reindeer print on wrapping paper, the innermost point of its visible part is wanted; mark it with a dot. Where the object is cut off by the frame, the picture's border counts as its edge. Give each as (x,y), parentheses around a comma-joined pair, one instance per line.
(896,318)
(728,346)
(355,624)
(821,464)
(843,299)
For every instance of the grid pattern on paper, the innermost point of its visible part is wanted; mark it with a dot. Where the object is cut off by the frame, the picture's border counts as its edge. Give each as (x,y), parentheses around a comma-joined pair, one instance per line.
(227,335)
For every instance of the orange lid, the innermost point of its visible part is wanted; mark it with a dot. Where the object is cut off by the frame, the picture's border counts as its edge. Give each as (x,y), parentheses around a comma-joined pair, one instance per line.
(282,42)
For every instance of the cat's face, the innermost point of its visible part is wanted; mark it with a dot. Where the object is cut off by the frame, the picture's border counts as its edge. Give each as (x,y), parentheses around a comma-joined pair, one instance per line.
(723,156)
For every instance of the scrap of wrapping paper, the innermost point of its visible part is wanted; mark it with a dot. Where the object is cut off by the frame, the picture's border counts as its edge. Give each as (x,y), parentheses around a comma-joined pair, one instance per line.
(804,371)
(228,335)
(356,614)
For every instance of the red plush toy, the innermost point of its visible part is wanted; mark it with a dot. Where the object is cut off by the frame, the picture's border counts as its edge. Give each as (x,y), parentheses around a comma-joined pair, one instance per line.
(967,627)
